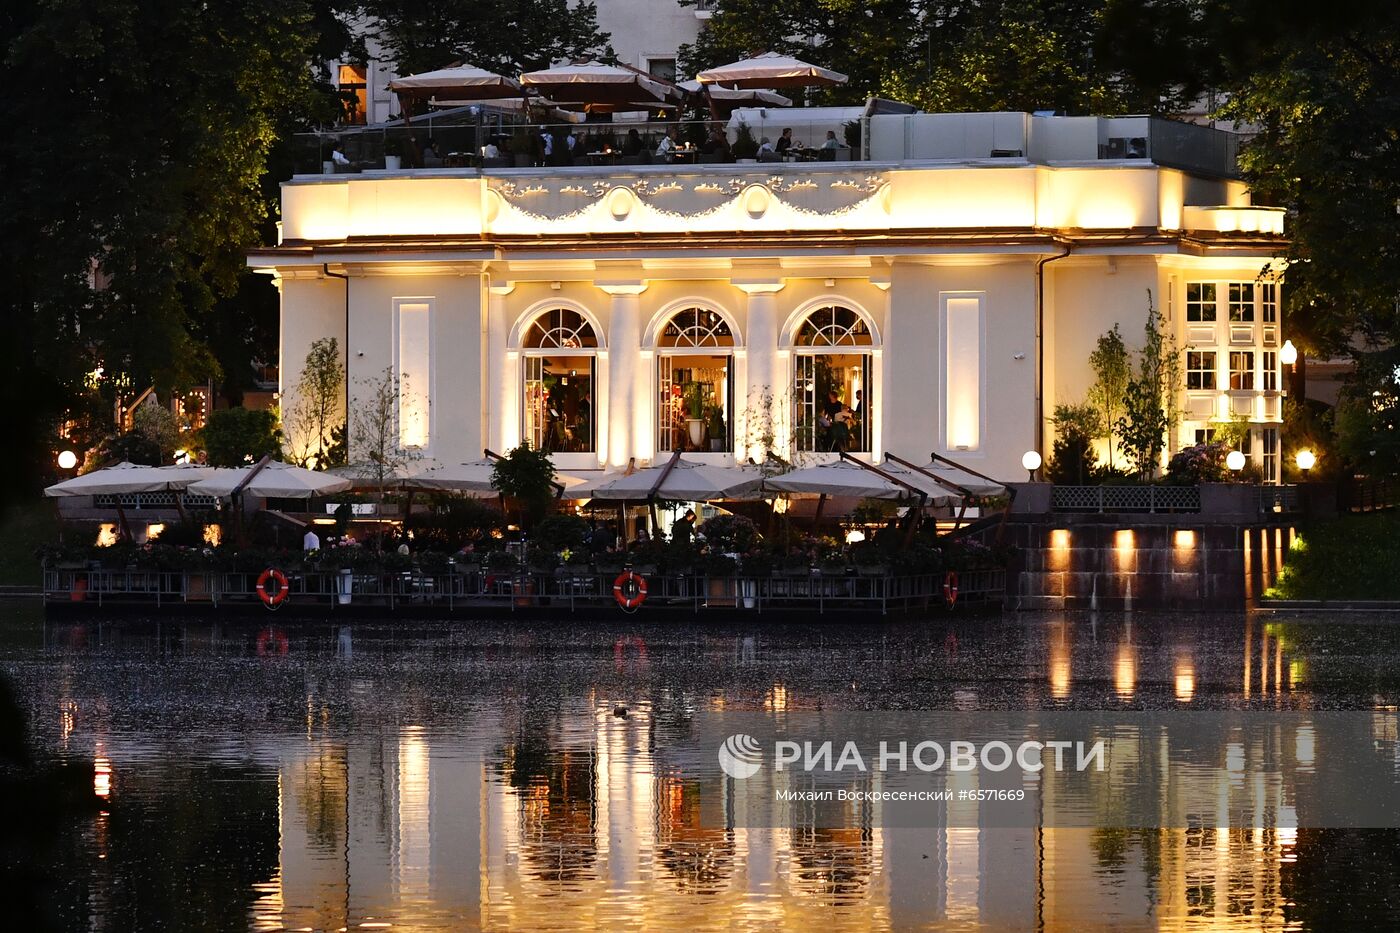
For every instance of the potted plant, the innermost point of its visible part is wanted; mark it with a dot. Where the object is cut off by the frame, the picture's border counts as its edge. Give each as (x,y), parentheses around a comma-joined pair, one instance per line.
(716,429)
(695,413)
(393,153)
(522,147)
(745,147)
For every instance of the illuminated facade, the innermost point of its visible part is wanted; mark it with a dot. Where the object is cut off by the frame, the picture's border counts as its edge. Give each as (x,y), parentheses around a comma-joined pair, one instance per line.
(941,303)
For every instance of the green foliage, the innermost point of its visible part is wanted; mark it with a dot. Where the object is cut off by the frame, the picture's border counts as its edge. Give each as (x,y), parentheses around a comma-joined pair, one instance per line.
(505,36)
(1351,557)
(1203,463)
(730,534)
(1113,369)
(1149,411)
(316,414)
(135,189)
(1072,458)
(455,522)
(156,424)
(694,398)
(745,146)
(376,430)
(234,437)
(560,532)
(526,476)
(1367,415)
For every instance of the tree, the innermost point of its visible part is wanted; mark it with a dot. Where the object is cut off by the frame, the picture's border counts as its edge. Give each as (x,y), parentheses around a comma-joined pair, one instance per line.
(527,476)
(376,431)
(134,185)
(505,36)
(316,414)
(1112,368)
(1315,84)
(1150,411)
(1073,460)
(234,437)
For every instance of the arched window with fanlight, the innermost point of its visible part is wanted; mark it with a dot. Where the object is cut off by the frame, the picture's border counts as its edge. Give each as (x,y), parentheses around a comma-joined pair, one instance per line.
(832,393)
(695,382)
(559,349)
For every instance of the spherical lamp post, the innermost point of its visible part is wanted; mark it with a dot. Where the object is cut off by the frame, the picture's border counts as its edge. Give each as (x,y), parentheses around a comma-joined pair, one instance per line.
(1234,461)
(1306,460)
(1030,461)
(67,460)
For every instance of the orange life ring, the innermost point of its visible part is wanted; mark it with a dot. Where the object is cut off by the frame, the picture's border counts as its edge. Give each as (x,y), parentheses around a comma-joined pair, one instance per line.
(272,600)
(950,587)
(272,641)
(630,589)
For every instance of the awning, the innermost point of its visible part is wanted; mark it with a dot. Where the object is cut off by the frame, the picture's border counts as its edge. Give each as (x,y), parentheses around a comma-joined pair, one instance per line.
(593,82)
(457,83)
(275,480)
(771,70)
(474,478)
(683,480)
(847,477)
(128,478)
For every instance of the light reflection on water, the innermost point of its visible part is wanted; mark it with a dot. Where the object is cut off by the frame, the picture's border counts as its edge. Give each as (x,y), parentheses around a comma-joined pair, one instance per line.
(460,777)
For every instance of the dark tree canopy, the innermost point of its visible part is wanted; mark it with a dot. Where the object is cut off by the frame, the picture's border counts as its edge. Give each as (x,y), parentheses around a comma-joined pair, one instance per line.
(505,36)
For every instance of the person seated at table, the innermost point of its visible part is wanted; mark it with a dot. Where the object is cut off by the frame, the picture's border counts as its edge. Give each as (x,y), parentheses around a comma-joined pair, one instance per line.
(666,148)
(784,141)
(828,150)
(431,158)
(716,143)
(338,155)
(766,153)
(490,150)
(632,146)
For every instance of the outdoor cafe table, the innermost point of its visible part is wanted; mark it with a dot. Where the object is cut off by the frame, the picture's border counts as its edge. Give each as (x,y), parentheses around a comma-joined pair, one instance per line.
(603,158)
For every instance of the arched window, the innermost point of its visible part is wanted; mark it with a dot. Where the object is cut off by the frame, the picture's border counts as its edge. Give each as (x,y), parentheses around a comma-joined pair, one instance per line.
(559,348)
(833,326)
(833,399)
(695,382)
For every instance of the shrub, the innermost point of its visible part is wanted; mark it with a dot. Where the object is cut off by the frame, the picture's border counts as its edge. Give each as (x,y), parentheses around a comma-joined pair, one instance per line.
(456,522)
(561,532)
(233,437)
(1072,457)
(527,476)
(730,534)
(1203,463)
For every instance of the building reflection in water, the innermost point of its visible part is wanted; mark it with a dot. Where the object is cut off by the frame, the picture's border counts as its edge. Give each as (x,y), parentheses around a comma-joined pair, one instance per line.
(558,817)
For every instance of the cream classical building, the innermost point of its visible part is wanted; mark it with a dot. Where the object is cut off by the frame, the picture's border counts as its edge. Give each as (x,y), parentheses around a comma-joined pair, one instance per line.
(942,295)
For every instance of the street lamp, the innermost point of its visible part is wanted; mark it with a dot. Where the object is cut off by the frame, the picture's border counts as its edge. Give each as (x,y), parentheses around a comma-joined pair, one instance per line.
(1234,460)
(1030,461)
(67,460)
(1288,354)
(1306,460)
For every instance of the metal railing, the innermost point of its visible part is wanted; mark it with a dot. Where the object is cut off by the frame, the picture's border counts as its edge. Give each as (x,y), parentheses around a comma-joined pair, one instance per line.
(1277,499)
(1194,148)
(1125,499)
(565,588)
(153,500)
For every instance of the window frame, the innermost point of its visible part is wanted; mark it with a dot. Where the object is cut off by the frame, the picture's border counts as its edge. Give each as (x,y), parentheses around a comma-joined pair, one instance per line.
(1212,370)
(1197,308)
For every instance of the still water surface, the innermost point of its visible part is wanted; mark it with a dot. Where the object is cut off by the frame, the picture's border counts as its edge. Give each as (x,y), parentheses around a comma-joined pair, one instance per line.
(413,775)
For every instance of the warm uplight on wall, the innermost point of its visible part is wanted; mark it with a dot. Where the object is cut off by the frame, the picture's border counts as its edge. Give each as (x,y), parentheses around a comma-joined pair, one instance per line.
(153,530)
(1058,558)
(213,535)
(1059,539)
(1123,543)
(414,372)
(106,534)
(67,460)
(1185,538)
(1234,461)
(1222,407)
(962,372)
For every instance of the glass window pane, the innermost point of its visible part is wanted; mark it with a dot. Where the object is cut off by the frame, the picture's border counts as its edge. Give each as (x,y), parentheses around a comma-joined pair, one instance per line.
(558,403)
(694,403)
(832,401)
(834,326)
(1200,301)
(561,328)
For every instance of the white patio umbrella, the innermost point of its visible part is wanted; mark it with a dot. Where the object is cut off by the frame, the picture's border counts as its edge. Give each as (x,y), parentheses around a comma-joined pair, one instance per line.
(684,480)
(771,70)
(455,83)
(948,474)
(850,479)
(127,478)
(592,82)
(272,480)
(474,478)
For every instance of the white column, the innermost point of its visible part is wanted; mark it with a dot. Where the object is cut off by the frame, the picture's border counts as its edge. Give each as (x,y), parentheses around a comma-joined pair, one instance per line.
(763,370)
(625,376)
(503,410)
